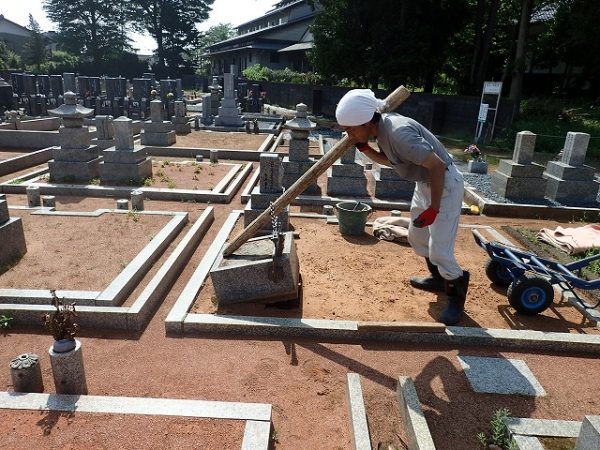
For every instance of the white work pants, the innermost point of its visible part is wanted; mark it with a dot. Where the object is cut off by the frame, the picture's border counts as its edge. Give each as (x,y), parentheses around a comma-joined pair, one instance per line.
(436,241)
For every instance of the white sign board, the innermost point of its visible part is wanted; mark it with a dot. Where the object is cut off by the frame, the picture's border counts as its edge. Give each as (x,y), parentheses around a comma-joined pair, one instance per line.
(483,112)
(492,87)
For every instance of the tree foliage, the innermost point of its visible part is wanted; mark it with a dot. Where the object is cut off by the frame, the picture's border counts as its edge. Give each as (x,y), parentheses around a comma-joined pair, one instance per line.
(93,29)
(172,24)
(34,50)
(214,34)
(9,59)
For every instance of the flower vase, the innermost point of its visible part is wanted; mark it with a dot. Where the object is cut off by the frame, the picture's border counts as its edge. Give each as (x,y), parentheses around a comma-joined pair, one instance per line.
(478,166)
(63,345)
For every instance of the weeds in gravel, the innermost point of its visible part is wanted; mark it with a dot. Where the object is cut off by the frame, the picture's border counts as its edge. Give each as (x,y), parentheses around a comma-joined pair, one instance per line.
(498,434)
(5,322)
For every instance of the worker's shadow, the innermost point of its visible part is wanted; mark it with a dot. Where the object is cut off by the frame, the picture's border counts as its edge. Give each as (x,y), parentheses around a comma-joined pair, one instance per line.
(447,398)
(363,239)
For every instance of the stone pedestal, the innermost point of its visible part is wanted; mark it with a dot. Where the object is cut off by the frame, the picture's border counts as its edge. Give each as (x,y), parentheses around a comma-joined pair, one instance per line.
(298,161)
(389,185)
(346,177)
(105,132)
(158,132)
(520,178)
(477,167)
(125,163)
(215,97)
(26,373)
(33,196)
(228,114)
(11,235)
(570,181)
(137,200)
(268,190)
(68,371)
(248,276)
(207,118)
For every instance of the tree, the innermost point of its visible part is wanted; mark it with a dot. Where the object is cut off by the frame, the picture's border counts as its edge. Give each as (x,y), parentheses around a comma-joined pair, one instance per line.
(8,58)
(92,28)
(214,34)
(172,24)
(34,50)
(516,85)
(375,42)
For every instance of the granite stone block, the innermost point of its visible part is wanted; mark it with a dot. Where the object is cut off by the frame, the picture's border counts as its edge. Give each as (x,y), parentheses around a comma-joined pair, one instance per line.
(13,241)
(571,192)
(246,275)
(576,145)
(48,201)
(158,127)
(388,173)
(355,187)
(299,149)
(250,214)
(183,128)
(291,178)
(263,200)
(589,435)
(75,155)
(271,173)
(513,169)
(124,156)
(564,171)
(4,214)
(518,188)
(393,189)
(116,173)
(348,170)
(296,167)
(71,171)
(33,196)
(524,147)
(158,139)
(74,137)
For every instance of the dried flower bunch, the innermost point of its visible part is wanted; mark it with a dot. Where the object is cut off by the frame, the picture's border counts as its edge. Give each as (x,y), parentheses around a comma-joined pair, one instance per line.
(60,322)
(475,152)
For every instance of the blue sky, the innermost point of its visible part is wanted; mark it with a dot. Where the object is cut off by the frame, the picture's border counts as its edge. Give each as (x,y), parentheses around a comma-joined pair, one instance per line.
(223,11)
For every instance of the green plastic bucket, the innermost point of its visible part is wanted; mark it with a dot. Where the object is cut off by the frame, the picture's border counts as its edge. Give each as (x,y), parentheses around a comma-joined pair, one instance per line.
(352,217)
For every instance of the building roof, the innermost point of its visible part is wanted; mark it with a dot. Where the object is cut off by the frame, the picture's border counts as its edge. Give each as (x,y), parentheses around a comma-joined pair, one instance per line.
(19,30)
(281,6)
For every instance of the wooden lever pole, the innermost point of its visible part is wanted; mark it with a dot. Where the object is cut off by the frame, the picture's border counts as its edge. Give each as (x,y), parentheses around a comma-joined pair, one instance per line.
(392,102)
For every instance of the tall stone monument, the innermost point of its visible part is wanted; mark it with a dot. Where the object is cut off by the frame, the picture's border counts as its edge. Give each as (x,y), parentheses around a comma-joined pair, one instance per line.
(298,162)
(11,235)
(347,176)
(125,163)
(215,96)
(268,190)
(520,178)
(229,113)
(75,160)
(104,131)
(207,118)
(570,181)
(157,131)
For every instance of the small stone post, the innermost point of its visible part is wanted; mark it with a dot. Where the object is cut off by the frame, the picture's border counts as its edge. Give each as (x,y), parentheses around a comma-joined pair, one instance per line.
(48,201)
(137,200)
(33,196)
(26,373)
(68,371)
(214,156)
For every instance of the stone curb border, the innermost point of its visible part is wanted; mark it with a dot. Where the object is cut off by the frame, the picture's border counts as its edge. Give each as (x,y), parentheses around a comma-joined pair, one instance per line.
(180,321)
(123,283)
(233,184)
(21,162)
(258,416)
(412,415)
(359,427)
(135,317)
(525,432)
(527,211)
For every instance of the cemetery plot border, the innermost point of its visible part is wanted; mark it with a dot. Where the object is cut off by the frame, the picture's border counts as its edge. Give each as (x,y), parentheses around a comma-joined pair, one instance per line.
(257,416)
(223,192)
(135,317)
(181,321)
(25,160)
(122,285)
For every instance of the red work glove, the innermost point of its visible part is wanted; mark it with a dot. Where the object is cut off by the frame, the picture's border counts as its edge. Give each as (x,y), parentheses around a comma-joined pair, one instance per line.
(426,218)
(362,146)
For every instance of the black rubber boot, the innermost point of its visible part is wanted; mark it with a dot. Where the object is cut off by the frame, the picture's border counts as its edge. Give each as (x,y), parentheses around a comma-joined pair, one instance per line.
(457,294)
(434,283)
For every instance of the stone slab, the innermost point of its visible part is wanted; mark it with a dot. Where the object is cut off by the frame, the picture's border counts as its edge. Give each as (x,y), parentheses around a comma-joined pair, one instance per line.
(589,436)
(564,171)
(528,443)
(74,137)
(290,178)
(261,200)
(349,170)
(271,174)
(13,241)
(245,276)
(183,128)
(500,376)
(158,139)
(136,405)
(576,145)
(296,167)
(121,173)
(518,188)
(571,192)
(75,155)
(393,189)
(257,435)
(359,427)
(124,156)
(158,127)
(543,427)
(388,173)
(299,149)
(69,171)
(524,147)
(412,416)
(513,169)
(354,187)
